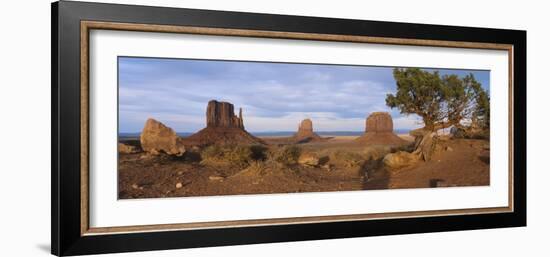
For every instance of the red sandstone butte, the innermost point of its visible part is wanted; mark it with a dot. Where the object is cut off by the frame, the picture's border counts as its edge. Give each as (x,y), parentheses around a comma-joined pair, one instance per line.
(305,132)
(222,127)
(379,130)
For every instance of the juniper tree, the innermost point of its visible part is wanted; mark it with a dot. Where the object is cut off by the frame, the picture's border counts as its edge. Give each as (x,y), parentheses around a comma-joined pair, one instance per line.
(441,102)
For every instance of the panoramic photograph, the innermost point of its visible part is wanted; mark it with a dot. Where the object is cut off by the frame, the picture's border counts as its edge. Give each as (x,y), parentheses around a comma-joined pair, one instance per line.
(213,127)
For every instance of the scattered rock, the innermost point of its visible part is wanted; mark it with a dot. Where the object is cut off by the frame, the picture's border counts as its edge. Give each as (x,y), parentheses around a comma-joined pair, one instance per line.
(442,183)
(124,148)
(399,159)
(179,185)
(135,186)
(448,149)
(308,159)
(327,167)
(156,138)
(146,156)
(216,178)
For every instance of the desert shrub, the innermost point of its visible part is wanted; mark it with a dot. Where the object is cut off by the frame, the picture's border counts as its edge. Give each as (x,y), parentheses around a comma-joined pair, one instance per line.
(189,156)
(259,152)
(458,132)
(261,168)
(212,152)
(239,155)
(288,155)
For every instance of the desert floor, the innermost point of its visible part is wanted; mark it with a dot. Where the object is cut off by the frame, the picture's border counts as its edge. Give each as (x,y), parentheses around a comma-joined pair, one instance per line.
(344,165)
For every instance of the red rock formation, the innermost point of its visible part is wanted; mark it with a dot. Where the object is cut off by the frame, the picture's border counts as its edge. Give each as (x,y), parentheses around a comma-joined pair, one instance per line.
(156,138)
(221,114)
(305,132)
(379,130)
(379,122)
(222,127)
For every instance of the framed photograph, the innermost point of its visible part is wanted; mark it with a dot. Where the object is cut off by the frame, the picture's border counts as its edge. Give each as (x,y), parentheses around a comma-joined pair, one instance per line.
(178,128)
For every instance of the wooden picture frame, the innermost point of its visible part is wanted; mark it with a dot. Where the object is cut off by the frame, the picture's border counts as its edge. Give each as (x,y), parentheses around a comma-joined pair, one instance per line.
(71,25)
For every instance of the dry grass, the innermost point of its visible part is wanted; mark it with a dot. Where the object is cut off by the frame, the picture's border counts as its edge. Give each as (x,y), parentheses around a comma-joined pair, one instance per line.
(237,155)
(346,159)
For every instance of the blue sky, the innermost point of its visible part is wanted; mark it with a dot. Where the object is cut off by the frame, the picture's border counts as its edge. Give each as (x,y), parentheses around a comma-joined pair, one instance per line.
(274,96)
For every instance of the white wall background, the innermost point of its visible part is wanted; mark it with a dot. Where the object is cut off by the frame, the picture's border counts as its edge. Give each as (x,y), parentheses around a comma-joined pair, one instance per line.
(25,127)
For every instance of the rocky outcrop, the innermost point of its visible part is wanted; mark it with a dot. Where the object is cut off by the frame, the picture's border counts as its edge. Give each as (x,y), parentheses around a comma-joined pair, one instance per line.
(128,149)
(379,130)
(308,159)
(156,138)
(305,132)
(400,159)
(222,127)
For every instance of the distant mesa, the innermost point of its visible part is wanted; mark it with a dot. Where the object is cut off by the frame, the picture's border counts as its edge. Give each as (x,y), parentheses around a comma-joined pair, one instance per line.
(305,132)
(222,127)
(379,130)
(156,138)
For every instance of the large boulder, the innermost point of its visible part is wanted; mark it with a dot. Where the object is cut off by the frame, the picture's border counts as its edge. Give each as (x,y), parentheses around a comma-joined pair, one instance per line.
(379,131)
(156,138)
(400,159)
(305,132)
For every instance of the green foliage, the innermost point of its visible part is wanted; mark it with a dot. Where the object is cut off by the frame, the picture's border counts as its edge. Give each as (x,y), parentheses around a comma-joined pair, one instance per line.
(288,155)
(441,101)
(481,112)
(418,92)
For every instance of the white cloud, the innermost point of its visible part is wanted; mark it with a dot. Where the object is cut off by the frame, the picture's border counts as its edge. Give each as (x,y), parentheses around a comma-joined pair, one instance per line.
(408,122)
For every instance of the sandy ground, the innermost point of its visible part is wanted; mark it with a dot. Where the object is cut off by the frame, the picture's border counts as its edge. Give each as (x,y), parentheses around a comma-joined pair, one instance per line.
(464,163)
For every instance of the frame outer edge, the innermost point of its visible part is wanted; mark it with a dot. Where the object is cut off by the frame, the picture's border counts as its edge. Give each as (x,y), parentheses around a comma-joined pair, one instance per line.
(66,14)
(520,119)
(55,129)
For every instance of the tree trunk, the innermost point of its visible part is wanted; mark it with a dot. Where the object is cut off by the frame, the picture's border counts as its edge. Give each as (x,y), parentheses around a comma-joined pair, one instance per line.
(425,145)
